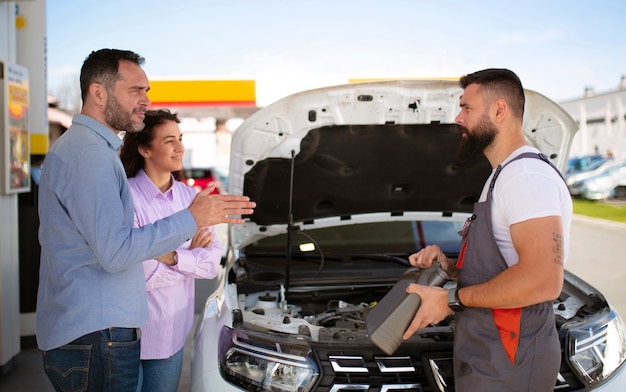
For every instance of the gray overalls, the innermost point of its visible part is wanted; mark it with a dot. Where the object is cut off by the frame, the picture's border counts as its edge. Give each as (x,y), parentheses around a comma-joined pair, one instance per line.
(500,350)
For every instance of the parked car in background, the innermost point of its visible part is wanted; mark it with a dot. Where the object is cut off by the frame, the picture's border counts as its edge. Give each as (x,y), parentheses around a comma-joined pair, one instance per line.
(583,163)
(349,181)
(603,185)
(584,167)
(201,178)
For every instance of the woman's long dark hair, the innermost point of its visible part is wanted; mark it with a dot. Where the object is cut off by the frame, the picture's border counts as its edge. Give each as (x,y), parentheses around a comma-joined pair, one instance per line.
(129,153)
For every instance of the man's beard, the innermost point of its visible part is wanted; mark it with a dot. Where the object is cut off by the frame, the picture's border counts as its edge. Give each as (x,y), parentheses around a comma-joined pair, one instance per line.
(118,118)
(477,140)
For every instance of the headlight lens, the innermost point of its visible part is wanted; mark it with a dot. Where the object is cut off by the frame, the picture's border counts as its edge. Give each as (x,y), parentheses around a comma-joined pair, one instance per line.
(258,366)
(596,348)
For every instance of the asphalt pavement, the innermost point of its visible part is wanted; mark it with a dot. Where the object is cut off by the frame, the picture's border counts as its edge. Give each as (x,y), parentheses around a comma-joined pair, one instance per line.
(596,256)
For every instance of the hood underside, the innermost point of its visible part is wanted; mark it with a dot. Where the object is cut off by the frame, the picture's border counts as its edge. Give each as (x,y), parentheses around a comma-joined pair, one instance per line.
(366,148)
(343,170)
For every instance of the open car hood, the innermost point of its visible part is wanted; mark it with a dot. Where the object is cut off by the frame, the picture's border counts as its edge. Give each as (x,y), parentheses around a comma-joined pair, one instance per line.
(368,151)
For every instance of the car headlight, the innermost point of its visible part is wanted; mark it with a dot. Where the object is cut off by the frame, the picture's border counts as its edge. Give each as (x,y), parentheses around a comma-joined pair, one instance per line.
(264,366)
(596,348)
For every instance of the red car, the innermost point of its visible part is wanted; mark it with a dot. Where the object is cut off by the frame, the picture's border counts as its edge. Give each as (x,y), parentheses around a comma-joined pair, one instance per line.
(201,178)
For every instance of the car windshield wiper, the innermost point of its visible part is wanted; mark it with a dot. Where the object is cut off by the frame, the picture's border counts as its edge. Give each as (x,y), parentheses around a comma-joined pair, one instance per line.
(404,260)
(339,257)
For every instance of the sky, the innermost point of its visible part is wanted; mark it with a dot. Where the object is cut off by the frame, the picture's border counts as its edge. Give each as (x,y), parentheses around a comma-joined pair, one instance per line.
(557,47)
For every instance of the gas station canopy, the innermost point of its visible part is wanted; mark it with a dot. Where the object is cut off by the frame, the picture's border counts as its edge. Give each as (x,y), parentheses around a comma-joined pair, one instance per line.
(205,98)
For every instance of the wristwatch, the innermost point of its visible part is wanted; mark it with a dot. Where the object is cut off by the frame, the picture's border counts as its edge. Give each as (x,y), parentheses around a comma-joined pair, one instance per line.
(453,300)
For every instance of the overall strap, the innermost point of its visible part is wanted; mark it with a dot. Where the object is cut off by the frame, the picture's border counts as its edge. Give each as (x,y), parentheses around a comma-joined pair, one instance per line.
(520,156)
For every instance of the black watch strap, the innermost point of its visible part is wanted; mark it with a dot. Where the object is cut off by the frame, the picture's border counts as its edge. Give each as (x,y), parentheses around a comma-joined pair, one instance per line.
(453,300)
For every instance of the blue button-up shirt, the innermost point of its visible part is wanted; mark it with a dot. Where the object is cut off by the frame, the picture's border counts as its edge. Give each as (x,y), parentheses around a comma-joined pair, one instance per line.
(91,277)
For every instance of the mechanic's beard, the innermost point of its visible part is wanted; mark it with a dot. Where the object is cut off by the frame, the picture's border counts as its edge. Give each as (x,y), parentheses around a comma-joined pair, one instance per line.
(118,118)
(477,140)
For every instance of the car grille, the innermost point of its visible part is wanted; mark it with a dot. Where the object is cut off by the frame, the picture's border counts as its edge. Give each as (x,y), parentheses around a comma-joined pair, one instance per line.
(369,370)
(373,371)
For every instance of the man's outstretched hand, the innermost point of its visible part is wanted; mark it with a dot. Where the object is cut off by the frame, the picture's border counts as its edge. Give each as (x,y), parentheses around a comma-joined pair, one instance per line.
(209,210)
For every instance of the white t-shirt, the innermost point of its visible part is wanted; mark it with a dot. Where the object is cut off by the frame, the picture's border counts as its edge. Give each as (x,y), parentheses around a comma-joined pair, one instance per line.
(527,188)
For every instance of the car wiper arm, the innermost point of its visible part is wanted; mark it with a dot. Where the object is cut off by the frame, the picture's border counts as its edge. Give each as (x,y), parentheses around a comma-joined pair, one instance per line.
(383,257)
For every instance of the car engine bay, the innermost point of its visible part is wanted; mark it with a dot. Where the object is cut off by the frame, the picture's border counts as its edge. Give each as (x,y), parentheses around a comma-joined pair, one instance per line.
(319,309)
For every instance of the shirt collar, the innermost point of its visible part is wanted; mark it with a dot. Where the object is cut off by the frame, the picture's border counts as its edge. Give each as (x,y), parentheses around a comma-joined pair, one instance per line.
(518,151)
(149,190)
(106,133)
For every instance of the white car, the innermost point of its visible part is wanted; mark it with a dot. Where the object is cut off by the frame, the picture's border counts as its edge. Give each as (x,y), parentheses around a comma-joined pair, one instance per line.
(602,185)
(594,168)
(349,180)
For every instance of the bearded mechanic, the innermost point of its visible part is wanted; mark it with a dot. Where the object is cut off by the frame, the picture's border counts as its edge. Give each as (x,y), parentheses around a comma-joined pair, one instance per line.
(514,247)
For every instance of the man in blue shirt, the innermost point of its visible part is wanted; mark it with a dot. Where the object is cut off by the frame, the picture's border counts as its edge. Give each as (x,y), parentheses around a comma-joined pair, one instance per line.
(92,298)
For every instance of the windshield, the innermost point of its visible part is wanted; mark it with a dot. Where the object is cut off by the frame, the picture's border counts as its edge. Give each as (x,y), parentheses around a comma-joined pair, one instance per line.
(396,238)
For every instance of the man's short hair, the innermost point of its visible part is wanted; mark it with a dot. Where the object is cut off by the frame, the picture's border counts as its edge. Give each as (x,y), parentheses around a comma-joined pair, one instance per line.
(499,83)
(102,66)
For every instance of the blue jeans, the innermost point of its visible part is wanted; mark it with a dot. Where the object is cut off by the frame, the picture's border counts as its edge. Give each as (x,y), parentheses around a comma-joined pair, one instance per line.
(161,375)
(106,360)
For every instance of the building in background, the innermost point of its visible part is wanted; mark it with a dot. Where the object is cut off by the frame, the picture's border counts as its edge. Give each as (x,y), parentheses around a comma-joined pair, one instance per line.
(602,121)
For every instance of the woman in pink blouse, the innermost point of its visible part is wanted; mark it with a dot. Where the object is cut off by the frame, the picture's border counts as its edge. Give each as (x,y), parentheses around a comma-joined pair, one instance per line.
(153,160)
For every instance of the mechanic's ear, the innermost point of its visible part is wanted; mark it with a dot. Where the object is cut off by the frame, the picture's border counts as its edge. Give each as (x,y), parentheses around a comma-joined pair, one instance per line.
(501,109)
